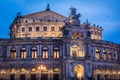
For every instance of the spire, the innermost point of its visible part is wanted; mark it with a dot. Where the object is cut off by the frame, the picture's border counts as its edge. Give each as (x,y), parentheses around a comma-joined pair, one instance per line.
(48,7)
(87,21)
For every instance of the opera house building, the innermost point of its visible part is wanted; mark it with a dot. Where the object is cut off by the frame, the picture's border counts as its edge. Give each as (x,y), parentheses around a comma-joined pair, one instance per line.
(49,46)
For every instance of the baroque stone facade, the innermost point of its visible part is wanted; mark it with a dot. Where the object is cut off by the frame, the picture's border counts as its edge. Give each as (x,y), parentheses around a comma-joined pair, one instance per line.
(48,46)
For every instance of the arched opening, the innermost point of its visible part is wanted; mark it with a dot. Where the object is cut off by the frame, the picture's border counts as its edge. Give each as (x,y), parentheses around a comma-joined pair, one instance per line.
(79,72)
(97,54)
(34,52)
(44,72)
(104,55)
(12,75)
(44,52)
(76,51)
(56,73)
(33,74)
(13,53)
(23,53)
(110,55)
(56,52)
(22,75)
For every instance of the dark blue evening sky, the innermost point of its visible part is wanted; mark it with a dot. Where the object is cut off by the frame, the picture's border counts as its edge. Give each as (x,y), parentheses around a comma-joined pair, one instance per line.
(105,13)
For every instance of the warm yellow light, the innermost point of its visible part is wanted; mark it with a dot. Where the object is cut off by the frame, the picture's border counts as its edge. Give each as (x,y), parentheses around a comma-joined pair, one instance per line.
(42,67)
(39,68)
(79,75)
(3,72)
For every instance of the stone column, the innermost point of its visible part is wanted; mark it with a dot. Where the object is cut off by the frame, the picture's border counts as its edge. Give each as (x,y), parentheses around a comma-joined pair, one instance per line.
(94,53)
(64,71)
(116,54)
(51,51)
(101,53)
(28,51)
(40,51)
(112,51)
(68,49)
(89,50)
(18,51)
(63,49)
(61,53)
(67,71)
(107,54)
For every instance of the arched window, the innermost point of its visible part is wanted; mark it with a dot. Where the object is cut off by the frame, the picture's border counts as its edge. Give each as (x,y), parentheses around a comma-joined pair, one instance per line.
(33,69)
(56,52)
(110,55)
(56,70)
(13,70)
(23,53)
(104,55)
(44,52)
(13,53)
(23,70)
(76,51)
(43,68)
(34,52)
(97,54)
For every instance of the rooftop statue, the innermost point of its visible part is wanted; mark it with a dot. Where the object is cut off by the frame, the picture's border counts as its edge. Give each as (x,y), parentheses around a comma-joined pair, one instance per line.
(74,13)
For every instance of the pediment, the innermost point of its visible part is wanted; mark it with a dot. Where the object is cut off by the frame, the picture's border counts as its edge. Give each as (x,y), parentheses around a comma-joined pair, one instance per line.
(46,15)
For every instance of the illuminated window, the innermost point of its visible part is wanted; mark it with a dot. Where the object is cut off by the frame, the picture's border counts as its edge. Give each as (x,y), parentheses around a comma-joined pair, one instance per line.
(23,53)
(30,28)
(56,52)
(34,52)
(104,55)
(44,28)
(56,69)
(97,54)
(13,53)
(33,69)
(60,28)
(42,68)
(12,70)
(110,55)
(45,52)
(76,51)
(37,28)
(23,29)
(52,28)
(23,70)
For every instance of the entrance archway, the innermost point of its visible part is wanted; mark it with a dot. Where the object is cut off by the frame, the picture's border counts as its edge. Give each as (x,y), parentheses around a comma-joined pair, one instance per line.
(79,72)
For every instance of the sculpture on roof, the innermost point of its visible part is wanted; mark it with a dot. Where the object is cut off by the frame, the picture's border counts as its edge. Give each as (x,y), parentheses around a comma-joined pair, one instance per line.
(74,13)
(74,17)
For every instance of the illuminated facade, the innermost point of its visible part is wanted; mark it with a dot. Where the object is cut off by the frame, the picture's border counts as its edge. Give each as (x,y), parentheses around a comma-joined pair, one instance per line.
(48,46)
